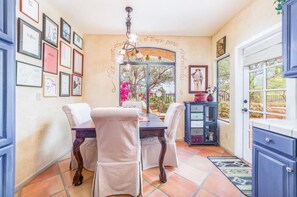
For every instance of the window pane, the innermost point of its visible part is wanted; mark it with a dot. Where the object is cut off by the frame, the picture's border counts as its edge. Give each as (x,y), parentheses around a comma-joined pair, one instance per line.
(254,115)
(161,87)
(276,102)
(256,80)
(256,101)
(274,78)
(224,88)
(273,116)
(275,61)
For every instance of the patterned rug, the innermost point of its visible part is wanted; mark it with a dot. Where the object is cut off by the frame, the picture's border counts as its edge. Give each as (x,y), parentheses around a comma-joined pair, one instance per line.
(239,173)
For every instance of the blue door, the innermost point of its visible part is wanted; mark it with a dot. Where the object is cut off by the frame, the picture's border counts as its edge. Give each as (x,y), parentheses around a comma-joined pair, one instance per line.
(7,97)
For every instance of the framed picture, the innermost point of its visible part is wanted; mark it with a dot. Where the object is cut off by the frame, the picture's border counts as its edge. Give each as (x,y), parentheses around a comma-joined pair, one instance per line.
(78,59)
(30,8)
(76,85)
(50,85)
(50,30)
(65,31)
(29,39)
(221,47)
(50,59)
(28,75)
(64,84)
(198,79)
(77,40)
(65,55)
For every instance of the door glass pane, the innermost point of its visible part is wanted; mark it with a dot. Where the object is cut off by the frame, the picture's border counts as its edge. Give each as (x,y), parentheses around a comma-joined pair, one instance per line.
(161,87)
(274,78)
(256,101)
(256,80)
(276,102)
(254,115)
(257,66)
(273,116)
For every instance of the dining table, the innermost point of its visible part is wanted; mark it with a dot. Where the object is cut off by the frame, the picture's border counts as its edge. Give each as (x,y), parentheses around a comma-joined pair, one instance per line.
(150,125)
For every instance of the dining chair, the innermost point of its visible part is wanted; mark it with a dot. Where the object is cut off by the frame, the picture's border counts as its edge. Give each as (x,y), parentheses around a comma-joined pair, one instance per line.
(78,113)
(118,169)
(133,104)
(151,147)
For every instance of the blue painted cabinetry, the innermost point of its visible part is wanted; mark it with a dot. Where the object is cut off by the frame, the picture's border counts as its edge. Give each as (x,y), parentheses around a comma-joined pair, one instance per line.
(201,123)
(290,38)
(274,164)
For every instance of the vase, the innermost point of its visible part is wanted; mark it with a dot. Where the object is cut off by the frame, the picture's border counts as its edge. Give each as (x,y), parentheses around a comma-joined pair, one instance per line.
(209,98)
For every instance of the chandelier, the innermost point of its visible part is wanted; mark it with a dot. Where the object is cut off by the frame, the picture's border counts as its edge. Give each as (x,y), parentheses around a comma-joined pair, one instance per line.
(130,43)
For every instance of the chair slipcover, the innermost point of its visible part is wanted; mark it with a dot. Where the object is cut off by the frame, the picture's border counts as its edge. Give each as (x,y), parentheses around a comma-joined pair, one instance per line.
(133,104)
(78,113)
(118,169)
(151,147)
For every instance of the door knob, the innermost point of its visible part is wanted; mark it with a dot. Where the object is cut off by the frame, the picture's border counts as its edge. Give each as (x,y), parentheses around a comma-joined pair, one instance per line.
(290,170)
(244,109)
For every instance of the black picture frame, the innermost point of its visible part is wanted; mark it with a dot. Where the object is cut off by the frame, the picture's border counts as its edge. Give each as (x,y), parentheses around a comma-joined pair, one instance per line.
(77,40)
(62,84)
(30,39)
(221,46)
(50,31)
(65,30)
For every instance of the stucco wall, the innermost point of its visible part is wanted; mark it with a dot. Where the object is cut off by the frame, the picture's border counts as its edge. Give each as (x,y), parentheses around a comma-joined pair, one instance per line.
(101,72)
(42,130)
(257,17)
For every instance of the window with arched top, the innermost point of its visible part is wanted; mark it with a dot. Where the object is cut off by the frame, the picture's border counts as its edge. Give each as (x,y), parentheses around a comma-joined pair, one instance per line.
(150,79)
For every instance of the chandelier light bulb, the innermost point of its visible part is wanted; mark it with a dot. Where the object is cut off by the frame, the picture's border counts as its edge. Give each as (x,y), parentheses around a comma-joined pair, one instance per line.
(138,54)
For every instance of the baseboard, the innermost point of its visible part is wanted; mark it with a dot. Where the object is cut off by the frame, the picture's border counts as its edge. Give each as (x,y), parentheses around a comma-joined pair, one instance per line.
(27,180)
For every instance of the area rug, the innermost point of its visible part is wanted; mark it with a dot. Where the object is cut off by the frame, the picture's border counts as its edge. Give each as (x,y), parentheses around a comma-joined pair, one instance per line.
(239,173)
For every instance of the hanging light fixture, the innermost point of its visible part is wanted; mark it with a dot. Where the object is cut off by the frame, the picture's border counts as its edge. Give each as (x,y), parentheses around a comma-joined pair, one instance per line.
(130,43)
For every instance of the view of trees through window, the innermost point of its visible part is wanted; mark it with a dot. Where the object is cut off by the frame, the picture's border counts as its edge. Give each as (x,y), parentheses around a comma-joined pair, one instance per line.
(223,80)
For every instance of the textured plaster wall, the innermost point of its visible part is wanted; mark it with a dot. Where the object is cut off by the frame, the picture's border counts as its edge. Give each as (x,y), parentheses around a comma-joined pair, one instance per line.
(257,17)
(101,73)
(42,131)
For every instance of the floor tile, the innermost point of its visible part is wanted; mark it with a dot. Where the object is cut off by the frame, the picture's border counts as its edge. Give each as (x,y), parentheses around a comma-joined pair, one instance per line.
(217,149)
(60,194)
(51,171)
(191,173)
(67,156)
(43,188)
(147,188)
(16,194)
(206,153)
(177,186)
(203,193)
(84,190)
(184,155)
(216,171)
(200,163)
(220,186)
(68,176)
(64,165)
(185,147)
(158,193)
(151,175)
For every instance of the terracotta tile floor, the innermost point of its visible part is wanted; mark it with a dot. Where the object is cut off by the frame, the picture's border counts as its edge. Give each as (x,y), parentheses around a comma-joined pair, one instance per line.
(196,176)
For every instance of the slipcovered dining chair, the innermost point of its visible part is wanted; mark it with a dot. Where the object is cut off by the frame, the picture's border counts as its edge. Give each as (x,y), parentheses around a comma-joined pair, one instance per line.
(151,147)
(78,113)
(133,104)
(118,169)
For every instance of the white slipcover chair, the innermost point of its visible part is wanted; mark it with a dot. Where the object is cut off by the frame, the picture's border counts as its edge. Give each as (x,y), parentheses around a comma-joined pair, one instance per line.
(78,113)
(118,169)
(151,147)
(133,104)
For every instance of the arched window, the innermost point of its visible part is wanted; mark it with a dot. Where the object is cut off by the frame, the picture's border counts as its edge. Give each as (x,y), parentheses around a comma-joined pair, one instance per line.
(151,79)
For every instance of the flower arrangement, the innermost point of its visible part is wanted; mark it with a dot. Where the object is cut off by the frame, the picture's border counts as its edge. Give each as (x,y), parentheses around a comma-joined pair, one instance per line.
(279,5)
(124,91)
(211,90)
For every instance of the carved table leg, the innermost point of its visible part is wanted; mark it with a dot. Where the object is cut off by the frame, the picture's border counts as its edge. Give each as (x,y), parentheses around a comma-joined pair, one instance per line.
(78,178)
(162,175)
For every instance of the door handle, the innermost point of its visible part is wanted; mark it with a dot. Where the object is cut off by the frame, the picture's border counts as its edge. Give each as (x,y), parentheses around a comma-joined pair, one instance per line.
(244,109)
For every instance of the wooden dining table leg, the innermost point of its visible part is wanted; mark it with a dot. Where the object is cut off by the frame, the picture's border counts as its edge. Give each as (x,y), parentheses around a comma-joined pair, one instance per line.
(162,175)
(78,177)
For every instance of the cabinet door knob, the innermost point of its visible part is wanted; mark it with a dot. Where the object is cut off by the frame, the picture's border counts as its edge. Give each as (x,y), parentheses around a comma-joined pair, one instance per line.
(290,170)
(268,139)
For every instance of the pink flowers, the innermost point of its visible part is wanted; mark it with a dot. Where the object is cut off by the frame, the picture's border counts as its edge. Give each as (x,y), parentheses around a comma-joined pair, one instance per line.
(124,91)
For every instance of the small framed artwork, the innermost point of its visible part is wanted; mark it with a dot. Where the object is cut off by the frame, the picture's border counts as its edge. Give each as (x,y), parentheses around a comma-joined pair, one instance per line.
(50,31)
(78,60)
(65,31)
(50,85)
(29,39)
(76,85)
(198,79)
(77,40)
(30,8)
(65,55)
(50,59)
(64,84)
(221,46)
(28,75)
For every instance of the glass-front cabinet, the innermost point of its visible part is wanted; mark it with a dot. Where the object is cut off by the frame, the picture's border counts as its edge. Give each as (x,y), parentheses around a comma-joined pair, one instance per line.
(201,123)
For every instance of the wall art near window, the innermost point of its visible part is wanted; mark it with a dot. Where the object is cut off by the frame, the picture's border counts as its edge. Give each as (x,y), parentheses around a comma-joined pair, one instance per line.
(29,39)
(50,85)
(76,85)
(30,8)
(50,59)
(77,40)
(64,84)
(65,30)
(65,55)
(78,59)
(28,75)
(221,47)
(50,30)
(198,79)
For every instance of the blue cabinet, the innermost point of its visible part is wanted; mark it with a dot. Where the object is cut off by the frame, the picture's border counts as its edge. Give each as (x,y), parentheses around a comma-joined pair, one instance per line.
(290,39)
(201,123)
(274,165)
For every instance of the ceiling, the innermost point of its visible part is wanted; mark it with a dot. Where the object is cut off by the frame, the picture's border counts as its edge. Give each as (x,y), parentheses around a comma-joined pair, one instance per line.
(151,17)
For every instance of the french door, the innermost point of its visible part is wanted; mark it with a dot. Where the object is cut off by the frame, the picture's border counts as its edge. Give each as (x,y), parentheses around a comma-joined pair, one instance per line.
(264,86)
